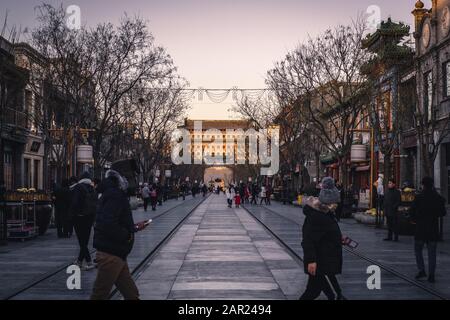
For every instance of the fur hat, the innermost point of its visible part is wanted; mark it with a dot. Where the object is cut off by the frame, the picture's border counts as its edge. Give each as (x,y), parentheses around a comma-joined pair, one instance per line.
(123,183)
(329,193)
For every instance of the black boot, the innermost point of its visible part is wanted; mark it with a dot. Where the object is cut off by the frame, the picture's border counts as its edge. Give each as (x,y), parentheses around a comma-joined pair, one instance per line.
(421,275)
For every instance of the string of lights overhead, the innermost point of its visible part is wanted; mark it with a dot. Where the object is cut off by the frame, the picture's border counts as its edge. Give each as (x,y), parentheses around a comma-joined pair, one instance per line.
(220,95)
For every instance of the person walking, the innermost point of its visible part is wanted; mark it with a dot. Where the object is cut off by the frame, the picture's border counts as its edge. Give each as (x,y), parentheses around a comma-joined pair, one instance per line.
(145,193)
(153,194)
(160,193)
(426,210)
(268,194)
(247,195)
(322,243)
(380,198)
(230,196)
(114,238)
(237,200)
(183,189)
(263,195)
(392,200)
(255,192)
(82,212)
(340,207)
(204,190)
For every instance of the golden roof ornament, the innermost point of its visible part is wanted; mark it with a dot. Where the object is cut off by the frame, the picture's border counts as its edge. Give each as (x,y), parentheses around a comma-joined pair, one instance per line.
(420,5)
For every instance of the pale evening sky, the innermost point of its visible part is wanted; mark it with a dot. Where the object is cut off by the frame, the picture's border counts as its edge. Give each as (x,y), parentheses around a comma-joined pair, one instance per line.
(223,43)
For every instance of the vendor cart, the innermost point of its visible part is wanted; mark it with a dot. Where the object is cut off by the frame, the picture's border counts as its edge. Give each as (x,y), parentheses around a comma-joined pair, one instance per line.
(27,215)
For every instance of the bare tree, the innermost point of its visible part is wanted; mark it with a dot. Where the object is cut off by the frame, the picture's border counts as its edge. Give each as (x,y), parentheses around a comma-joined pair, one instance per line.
(156,113)
(122,58)
(432,125)
(322,79)
(91,73)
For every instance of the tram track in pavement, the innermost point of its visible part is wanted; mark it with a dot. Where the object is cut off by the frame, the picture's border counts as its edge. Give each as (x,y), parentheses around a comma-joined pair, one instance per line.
(137,271)
(392,271)
(48,275)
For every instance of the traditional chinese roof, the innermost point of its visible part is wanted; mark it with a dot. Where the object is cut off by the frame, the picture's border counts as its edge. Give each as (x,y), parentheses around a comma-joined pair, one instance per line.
(388,31)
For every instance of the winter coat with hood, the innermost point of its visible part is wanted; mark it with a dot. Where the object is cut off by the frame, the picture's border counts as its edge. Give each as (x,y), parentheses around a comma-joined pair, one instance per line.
(114,227)
(77,197)
(322,239)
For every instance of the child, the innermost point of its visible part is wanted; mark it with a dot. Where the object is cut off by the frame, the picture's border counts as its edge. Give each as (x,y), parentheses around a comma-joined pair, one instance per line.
(237,200)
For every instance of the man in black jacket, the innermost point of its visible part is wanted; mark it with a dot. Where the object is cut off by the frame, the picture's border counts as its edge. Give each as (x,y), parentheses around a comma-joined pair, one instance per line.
(114,239)
(392,200)
(427,208)
(322,243)
(82,213)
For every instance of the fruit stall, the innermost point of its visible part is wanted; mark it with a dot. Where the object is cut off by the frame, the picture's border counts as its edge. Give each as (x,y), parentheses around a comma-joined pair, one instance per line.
(28,213)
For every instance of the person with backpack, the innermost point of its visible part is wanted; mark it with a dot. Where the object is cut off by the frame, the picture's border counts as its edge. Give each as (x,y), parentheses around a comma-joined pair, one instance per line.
(428,207)
(83,208)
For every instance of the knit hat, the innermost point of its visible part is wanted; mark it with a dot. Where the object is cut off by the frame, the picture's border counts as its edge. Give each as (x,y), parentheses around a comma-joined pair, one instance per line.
(122,181)
(329,193)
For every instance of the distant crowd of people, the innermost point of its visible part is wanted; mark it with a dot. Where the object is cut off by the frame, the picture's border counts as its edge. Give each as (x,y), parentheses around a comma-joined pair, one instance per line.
(248,194)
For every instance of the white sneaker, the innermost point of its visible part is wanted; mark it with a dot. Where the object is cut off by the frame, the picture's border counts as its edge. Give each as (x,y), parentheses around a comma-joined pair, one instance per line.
(89,266)
(78,263)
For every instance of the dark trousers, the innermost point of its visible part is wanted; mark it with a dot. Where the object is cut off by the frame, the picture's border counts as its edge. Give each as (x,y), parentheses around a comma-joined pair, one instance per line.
(431,247)
(254,200)
(153,202)
(392,222)
(268,200)
(61,222)
(380,207)
(83,227)
(113,271)
(316,285)
(146,201)
(339,210)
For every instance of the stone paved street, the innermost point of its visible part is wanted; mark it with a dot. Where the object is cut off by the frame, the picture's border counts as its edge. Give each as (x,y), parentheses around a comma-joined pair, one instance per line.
(222,253)
(286,222)
(42,255)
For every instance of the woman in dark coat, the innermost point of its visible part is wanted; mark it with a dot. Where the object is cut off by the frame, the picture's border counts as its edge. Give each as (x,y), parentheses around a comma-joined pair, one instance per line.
(427,208)
(322,243)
